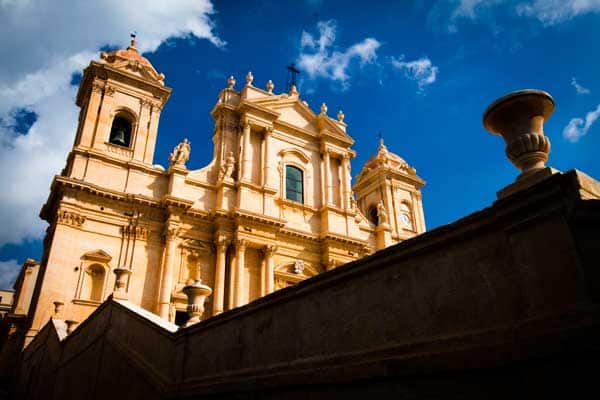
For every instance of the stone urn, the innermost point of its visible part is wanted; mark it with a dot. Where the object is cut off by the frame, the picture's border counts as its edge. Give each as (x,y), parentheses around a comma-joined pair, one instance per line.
(121,276)
(519,118)
(196,293)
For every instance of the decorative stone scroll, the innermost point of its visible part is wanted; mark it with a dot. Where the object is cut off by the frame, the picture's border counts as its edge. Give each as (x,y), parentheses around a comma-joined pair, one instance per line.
(70,218)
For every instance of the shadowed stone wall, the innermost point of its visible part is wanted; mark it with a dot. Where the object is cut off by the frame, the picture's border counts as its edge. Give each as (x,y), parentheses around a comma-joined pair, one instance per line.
(500,304)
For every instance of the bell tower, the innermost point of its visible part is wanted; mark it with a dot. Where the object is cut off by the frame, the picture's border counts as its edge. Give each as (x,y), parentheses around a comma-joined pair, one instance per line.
(388,194)
(121,98)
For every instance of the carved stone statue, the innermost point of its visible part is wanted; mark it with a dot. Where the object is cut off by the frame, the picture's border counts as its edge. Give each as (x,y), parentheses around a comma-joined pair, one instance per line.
(181,153)
(382,215)
(227,166)
(299,266)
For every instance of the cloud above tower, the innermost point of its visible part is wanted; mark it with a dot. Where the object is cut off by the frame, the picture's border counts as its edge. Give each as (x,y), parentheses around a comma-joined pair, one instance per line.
(48,42)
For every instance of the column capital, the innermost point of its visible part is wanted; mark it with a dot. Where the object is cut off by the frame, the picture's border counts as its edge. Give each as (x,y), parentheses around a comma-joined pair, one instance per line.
(270,250)
(241,244)
(268,130)
(222,244)
(170,232)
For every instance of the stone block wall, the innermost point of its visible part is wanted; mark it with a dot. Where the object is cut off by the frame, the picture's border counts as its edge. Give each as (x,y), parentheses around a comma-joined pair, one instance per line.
(500,304)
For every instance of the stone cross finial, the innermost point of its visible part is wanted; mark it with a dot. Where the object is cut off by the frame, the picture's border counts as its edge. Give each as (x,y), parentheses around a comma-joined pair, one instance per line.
(270,86)
(519,118)
(132,43)
(231,82)
(249,78)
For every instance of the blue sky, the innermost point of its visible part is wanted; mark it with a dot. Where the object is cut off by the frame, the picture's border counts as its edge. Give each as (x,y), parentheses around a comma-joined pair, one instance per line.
(420,72)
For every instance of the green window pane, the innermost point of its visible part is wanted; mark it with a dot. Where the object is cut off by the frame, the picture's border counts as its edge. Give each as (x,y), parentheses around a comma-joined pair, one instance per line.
(294,188)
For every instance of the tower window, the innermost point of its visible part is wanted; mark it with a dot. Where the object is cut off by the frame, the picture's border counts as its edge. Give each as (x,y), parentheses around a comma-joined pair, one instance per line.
(294,185)
(373,216)
(120,132)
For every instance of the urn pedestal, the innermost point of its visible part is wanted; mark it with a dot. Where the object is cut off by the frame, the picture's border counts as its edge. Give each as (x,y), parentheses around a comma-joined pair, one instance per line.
(196,293)
(519,118)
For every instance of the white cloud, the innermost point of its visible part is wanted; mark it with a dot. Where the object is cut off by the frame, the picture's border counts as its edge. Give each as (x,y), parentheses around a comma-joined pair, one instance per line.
(552,12)
(468,8)
(578,88)
(578,127)
(8,273)
(319,58)
(421,70)
(47,43)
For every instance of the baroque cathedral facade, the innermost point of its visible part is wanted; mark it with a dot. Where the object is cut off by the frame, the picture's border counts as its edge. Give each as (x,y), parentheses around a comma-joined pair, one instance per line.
(274,206)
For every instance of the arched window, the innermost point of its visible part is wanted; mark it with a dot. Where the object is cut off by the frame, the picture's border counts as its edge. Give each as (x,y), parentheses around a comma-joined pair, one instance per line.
(120,132)
(93,284)
(294,184)
(373,216)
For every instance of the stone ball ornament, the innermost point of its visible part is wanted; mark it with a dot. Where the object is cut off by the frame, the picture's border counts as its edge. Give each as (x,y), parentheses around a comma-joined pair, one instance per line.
(519,118)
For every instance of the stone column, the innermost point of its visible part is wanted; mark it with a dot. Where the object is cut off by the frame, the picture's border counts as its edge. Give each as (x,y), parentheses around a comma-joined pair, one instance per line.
(167,272)
(240,252)
(327,178)
(152,132)
(269,284)
(88,122)
(246,152)
(266,160)
(219,295)
(346,181)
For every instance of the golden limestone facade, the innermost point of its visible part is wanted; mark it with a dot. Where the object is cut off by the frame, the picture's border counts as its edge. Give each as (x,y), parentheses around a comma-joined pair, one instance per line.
(274,206)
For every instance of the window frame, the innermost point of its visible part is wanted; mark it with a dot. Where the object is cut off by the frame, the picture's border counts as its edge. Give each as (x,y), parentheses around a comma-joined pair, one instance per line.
(302,191)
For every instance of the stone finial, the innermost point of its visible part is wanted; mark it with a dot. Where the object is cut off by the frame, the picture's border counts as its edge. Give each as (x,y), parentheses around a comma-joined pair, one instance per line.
(58,307)
(249,78)
(270,86)
(196,293)
(70,325)
(231,82)
(120,289)
(340,116)
(323,109)
(519,118)
(294,91)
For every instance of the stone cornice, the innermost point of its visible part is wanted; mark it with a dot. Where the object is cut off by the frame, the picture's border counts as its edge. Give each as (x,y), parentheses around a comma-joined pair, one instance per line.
(366,178)
(147,168)
(172,201)
(344,239)
(62,182)
(242,214)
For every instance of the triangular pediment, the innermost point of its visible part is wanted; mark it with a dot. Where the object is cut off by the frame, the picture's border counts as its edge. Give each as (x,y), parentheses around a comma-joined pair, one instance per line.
(97,255)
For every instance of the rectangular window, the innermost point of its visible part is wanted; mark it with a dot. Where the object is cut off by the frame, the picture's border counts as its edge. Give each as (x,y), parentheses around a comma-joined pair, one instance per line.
(294,186)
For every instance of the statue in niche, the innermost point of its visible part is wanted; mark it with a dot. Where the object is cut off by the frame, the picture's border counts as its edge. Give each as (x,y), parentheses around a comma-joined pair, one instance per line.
(298,267)
(227,166)
(382,216)
(181,153)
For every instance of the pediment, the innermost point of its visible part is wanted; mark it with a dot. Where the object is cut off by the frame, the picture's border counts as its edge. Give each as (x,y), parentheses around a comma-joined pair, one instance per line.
(138,69)
(97,255)
(297,114)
